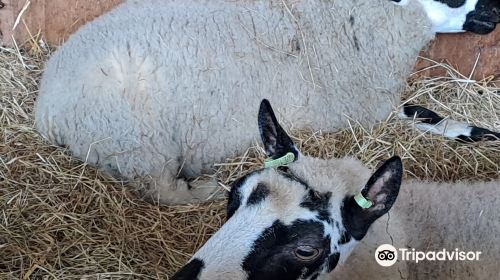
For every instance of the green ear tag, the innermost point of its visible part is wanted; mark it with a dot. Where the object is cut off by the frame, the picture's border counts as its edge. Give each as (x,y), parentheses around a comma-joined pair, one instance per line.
(284,160)
(362,201)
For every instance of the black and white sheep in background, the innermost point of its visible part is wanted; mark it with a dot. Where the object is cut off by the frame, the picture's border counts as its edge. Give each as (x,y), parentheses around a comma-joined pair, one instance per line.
(303,221)
(429,121)
(156,92)
(448,16)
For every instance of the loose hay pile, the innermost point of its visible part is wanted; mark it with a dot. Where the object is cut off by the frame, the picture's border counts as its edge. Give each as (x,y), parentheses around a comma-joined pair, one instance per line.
(62,219)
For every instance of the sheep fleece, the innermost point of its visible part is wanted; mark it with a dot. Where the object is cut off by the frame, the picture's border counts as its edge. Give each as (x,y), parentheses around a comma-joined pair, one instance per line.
(158,90)
(431,216)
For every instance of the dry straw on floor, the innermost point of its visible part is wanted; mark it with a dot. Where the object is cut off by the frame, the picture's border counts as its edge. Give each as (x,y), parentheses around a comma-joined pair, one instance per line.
(62,219)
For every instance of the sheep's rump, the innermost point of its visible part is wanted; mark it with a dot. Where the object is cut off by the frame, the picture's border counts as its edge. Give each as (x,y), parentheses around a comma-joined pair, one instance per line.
(157,86)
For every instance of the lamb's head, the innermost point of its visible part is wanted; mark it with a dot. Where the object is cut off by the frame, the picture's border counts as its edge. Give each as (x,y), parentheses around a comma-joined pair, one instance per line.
(448,16)
(296,221)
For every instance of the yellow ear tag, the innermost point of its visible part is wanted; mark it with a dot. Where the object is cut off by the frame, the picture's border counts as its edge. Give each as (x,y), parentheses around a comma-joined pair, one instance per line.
(284,160)
(362,201)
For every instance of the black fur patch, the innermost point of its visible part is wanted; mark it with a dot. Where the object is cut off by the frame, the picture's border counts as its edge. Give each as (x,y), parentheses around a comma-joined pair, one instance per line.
(345,238)
(479,134)
(475,24)
(427,116)
(273,255)
(351,20)
(452,3)
(318,202)
(357,229)
(484,17)
(285,171)
(190,271)
(337,225)
(489,9)
(258,194)
(333,260)
(357,220)
(356,42)
(276,142)
(422,114)
(234,199)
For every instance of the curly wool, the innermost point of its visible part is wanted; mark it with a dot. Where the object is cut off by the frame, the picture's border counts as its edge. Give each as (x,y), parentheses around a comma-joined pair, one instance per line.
(155,92)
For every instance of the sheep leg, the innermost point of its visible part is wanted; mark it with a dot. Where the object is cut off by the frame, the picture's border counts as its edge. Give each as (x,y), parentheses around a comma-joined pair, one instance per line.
(206,189)
(171,190)
(431,122)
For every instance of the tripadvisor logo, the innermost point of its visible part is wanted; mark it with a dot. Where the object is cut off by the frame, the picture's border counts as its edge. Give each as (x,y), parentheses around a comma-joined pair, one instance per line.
(388,255)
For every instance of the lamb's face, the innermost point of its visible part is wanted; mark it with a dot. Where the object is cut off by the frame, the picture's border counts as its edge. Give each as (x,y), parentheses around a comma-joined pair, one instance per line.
(294,222)
(450,16)
(297,230)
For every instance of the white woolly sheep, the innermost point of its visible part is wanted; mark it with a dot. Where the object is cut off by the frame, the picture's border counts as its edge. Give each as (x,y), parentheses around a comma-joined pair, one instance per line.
(303,220)
(155,92)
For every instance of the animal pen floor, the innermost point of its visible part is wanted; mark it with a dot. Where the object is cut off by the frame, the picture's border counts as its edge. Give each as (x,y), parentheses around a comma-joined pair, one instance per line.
(60,218)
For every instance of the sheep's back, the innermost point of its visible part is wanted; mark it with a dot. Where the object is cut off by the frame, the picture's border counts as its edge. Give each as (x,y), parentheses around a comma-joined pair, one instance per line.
(158,81)
(462,215)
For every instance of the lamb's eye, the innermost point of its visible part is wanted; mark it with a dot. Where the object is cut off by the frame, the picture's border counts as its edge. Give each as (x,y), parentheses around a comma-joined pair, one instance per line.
(307,253)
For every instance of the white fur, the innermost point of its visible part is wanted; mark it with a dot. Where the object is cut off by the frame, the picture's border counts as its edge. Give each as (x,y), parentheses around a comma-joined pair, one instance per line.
(444,18)
(224,252)
(155,92)
(426,216)
(448,128)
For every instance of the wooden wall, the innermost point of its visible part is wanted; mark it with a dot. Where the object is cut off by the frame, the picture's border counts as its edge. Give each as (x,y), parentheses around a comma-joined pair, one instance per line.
(57,19)
(462,51)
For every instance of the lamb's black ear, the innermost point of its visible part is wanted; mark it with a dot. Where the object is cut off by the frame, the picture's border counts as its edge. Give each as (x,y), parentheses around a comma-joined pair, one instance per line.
(276,142)
(382,190)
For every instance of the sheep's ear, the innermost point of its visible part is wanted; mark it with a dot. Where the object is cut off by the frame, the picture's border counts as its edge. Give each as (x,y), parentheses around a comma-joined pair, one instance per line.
(276,142)
(379,195)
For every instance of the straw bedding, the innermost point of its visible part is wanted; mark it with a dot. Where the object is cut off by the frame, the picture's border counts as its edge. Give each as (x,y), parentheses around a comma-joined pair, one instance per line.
(60,218)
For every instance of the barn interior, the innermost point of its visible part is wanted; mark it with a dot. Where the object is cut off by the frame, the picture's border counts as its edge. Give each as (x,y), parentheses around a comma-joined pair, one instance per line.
(63,219)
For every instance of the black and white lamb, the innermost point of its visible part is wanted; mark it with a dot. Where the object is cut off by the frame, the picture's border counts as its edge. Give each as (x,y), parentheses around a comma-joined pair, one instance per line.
(304,218)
